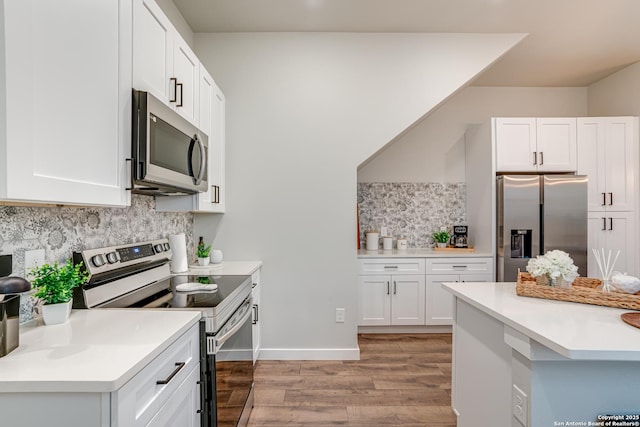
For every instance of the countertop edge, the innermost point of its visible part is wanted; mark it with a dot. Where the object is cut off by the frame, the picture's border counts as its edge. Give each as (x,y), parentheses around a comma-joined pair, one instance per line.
(572,354)
(421,253)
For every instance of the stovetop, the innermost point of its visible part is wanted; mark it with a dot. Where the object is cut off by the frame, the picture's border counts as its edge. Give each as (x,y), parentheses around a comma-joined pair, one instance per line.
(138,276)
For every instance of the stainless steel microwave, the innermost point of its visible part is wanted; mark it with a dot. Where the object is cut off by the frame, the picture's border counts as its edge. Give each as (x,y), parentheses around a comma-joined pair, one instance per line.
(169,154)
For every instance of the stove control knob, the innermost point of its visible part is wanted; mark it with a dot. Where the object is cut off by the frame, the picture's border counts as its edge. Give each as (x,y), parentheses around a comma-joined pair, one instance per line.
(166,246)
(112,257)
(98,260)
(159,248)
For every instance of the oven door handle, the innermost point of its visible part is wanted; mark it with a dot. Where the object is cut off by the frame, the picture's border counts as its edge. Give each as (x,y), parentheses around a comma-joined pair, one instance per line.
(220,341)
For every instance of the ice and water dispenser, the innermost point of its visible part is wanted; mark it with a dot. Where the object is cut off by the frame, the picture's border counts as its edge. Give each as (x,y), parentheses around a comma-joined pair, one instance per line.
(521,243)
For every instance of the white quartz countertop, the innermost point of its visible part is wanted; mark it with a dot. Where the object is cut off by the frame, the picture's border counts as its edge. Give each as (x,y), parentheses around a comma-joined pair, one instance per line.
(225,268)
(95,351)
(421,253)
(574,330)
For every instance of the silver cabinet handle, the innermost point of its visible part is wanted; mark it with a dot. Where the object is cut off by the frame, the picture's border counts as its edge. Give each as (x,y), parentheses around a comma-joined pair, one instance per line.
(604,199)
(255,314)
(395,287)
(541,158)
(387,287)
(181,92)
(535,158)
(179,366)
(610,223)
(610,199)
(390,267)
(459,266)
(604,224)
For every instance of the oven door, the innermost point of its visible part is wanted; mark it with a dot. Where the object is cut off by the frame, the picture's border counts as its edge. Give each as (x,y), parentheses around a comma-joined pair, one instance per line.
(232,377)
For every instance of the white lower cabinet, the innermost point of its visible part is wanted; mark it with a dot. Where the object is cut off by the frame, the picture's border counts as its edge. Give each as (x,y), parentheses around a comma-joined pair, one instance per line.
(255,329)
(391,300)
(439,301)
(408,291)
(151,397)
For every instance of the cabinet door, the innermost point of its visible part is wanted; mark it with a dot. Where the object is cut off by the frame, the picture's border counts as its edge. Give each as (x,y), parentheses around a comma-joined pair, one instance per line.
(620,155)
(217,145)
(591,160)
(407,299)
(152,49)
(255,329)
(556,143)
(439,301)
(186,70)
(57,149)
(181,410)
(515,144)
(374,300)
(613,231)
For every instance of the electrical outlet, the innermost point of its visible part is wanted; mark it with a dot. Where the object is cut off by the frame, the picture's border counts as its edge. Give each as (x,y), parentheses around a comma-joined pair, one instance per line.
(32,259)
(519,405)
(339,315)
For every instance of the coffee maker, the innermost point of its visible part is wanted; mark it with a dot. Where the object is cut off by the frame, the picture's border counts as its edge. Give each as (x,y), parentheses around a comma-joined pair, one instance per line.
(459,238)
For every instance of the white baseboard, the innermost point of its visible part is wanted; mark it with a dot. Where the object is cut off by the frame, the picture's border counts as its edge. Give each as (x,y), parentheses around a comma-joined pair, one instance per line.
(310,354)
(443,329)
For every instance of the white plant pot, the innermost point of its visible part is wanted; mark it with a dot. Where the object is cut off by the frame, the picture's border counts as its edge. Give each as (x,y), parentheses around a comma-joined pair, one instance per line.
(203,261)
(55,314)
(442,245)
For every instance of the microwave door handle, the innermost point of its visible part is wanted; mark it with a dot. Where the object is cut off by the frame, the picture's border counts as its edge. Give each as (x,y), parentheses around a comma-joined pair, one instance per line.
(203,161)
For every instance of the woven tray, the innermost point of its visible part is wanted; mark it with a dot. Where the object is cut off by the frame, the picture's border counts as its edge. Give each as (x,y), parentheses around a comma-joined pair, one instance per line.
(583,291)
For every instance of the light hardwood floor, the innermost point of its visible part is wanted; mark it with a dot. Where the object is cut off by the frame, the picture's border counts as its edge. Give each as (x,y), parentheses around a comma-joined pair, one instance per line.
(400,380)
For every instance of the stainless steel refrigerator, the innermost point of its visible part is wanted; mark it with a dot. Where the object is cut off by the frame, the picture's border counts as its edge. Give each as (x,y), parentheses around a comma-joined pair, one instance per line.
(539,213)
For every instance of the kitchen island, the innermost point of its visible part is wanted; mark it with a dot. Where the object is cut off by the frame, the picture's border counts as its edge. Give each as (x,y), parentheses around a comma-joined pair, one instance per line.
(520,361)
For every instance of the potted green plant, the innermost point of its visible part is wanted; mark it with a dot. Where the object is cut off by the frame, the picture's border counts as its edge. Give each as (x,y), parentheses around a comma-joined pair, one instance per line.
(442,238)
(54,285)
(202,252)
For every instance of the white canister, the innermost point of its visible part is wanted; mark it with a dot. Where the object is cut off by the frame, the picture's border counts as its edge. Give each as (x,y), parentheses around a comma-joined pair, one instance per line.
(372,240)
(387,243)
(401,243)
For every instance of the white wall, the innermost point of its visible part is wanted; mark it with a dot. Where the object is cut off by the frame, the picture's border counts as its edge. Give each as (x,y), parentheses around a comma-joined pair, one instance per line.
(433,150)
(176,18)
(617,95)
(303,111)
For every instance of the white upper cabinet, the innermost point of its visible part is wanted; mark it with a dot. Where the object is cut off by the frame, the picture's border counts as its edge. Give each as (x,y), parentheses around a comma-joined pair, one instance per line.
(163,63)
(608,154)
(66,116)
(212,122)
(535,144)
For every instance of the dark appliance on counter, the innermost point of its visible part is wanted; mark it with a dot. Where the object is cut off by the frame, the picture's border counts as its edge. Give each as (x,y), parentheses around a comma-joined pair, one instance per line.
(539,213)
(459,239)
(10,289)
(168,154)
(138,276)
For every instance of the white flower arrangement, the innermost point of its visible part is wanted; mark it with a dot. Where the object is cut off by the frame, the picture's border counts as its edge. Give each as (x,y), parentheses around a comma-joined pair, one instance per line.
(554,264)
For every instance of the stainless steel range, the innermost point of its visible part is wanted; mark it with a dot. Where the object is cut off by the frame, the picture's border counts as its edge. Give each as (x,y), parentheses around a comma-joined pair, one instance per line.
(138,276)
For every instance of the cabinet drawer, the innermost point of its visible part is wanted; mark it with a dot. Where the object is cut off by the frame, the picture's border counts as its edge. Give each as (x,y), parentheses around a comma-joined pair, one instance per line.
(391,266)
(137,402)
(459,265)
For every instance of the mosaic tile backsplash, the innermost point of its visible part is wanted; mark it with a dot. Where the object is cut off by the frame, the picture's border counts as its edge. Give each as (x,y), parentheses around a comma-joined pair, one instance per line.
(62,230)
(414,210)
